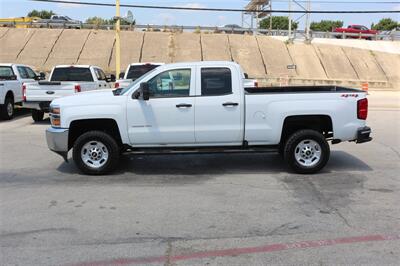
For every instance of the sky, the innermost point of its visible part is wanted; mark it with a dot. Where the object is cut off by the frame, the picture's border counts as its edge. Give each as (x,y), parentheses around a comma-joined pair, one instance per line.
(18,8)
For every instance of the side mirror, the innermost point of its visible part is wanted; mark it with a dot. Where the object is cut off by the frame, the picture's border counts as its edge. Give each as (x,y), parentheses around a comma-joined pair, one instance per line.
(121,75)
(42,76)
(145,90)
(246,76)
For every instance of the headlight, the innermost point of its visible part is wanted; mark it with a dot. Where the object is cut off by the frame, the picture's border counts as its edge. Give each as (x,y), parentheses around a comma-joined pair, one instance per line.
(55,116)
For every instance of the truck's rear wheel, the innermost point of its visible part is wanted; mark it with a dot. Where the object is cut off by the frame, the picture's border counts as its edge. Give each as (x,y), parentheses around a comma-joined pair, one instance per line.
(306,151)
(7,110)
(96,153)
(37,115)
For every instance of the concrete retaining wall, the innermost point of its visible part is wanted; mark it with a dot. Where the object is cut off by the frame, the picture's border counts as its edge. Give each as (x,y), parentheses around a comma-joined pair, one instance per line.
(261,57)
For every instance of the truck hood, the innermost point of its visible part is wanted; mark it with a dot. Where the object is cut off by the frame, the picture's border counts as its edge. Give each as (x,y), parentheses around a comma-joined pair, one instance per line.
(96,97)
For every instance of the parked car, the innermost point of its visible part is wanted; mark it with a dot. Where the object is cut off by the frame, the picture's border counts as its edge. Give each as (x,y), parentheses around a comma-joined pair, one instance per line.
(204,107)
(62,21)
(355,29)
(12,79)
(64,80)
(133,72)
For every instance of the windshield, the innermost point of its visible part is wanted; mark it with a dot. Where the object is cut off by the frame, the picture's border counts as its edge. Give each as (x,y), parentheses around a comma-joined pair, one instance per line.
(137,81)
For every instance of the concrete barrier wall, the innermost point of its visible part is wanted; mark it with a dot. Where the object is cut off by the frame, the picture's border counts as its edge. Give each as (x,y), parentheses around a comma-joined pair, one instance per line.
(97,49)
(364,63)
(261,57)
(156,47)
(308,64)
(390,64)
(39,47)
(276,57)
(335,62)
(13,43)
(186,47)
(245,51)
(215,47)
(131,49)
(67,49)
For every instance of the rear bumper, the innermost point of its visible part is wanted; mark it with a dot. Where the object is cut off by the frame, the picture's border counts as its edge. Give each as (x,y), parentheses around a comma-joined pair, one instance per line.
(57,141)
(363,135)
(42,106)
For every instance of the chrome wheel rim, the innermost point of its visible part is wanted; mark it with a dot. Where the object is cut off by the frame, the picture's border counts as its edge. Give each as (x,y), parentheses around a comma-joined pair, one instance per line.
(94,154)
(10,109)
(308,153)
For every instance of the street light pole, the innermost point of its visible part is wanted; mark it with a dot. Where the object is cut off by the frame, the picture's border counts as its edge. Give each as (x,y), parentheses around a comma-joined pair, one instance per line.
(117,39)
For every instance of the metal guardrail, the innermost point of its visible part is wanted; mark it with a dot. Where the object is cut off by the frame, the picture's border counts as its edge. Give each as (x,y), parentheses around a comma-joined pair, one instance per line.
(296,34)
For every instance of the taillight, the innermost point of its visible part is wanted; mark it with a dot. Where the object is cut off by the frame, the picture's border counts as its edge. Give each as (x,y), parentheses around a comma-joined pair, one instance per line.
(362,109)
(77,88)
(24,92)
(116,85)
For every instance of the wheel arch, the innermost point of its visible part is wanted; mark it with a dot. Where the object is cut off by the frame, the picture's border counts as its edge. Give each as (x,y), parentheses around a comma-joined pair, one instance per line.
(10,94)
(320,123)
(79,127)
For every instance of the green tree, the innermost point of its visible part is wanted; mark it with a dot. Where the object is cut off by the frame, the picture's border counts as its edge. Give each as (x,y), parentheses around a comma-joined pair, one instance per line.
(385,24)
(43,14)
(278,23)
(103,21)
(326,25)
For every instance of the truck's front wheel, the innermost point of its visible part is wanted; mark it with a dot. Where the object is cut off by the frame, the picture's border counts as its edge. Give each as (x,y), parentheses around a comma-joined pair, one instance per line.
(96,153)
(306,151)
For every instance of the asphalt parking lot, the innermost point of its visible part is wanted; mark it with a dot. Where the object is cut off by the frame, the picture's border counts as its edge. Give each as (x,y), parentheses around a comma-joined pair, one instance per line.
(202,209)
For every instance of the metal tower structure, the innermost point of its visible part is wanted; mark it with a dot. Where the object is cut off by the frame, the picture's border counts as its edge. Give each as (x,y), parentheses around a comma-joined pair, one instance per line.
(257,9)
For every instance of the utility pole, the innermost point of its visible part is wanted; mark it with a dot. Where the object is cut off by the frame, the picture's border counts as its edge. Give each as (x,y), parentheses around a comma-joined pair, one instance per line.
(117,39)
(308,20)
(270,17)
(290,21)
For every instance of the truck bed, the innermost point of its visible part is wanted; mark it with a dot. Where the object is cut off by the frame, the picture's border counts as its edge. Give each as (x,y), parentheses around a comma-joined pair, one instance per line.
(299,89)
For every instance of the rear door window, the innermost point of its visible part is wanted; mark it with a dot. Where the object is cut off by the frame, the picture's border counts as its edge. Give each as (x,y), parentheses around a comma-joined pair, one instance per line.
(71,74)
(136,72)
(216,81)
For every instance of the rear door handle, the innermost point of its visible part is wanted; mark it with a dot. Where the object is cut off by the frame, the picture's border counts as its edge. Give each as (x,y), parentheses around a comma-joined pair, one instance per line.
(230,104)
(183,105)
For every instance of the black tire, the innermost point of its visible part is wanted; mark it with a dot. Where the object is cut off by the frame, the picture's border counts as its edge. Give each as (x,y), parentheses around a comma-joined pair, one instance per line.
(96,136)
(290,151)
(7,110)
(37,115)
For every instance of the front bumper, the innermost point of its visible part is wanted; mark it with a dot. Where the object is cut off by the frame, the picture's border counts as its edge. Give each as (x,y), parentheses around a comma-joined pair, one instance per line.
(363,135)
(57,141)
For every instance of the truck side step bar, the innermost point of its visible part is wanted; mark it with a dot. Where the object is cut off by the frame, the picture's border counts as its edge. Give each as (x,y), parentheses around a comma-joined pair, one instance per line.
(206,150)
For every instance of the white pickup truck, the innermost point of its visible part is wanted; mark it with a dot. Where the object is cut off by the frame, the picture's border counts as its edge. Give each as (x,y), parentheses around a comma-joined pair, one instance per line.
(12,79)
(205,108)
(64,80)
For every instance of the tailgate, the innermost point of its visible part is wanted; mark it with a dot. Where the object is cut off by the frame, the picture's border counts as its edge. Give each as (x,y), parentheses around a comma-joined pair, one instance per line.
(48,91)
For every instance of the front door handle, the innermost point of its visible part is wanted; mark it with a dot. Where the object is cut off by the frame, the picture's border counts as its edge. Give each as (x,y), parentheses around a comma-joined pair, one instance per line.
(230,104)
(183,105)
